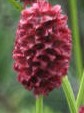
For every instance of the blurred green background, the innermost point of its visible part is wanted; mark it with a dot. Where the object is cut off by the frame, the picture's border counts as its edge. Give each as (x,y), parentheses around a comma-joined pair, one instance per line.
(13,97)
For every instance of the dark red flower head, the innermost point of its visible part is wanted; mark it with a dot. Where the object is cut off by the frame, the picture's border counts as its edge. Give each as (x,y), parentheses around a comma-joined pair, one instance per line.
(42,48)
(81,110)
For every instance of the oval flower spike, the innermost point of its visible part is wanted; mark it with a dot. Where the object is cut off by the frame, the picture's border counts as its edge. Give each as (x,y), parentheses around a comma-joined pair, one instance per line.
(42,48)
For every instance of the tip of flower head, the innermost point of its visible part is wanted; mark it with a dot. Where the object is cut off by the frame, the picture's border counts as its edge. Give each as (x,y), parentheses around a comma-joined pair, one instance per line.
(28,2)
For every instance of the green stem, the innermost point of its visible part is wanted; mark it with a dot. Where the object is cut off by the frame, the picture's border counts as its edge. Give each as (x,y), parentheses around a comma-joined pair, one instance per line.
(69,95)
(76,36)
(80,96)
(16,5)
(39,104)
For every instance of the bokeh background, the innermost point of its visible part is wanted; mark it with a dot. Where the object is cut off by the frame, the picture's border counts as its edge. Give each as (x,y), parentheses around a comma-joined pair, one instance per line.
(13,97)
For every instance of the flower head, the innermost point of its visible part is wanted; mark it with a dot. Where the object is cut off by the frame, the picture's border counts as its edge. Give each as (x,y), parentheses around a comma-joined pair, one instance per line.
(42,48)
(81,110)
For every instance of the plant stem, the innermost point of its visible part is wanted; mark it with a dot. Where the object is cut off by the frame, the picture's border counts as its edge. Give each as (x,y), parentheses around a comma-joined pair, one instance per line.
(80,96)
(39,104)
(69,95)
(16,5)
(76,36)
